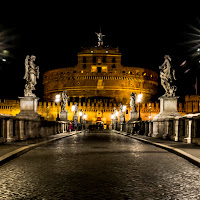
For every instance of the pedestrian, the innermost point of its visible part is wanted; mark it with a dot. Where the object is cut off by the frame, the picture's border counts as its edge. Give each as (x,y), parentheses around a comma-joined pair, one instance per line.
(75,125)
(70,127)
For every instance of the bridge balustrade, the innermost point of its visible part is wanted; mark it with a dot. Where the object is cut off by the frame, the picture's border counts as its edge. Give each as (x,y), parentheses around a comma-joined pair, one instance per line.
(13,128)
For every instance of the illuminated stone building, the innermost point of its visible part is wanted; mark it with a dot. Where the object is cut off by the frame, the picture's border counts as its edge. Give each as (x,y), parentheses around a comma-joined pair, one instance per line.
(100,75)
(99,79)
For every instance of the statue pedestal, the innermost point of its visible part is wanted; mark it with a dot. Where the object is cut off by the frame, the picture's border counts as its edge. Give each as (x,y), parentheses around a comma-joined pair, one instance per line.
(28,108)
(121,119)
(133,115)
(63,116)
(168,110)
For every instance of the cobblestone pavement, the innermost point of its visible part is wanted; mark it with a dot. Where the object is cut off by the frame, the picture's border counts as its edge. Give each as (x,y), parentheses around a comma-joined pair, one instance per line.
(99,166)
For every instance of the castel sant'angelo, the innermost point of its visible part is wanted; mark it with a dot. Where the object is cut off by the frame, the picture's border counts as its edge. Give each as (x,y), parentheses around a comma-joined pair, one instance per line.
(98,84)
(99,80)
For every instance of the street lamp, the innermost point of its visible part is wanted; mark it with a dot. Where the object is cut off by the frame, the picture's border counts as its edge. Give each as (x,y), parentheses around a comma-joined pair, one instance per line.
(73,108)
(84,119)
(149,111)
(123,110)
(139,99)
(116,119)
(57,100)
(112,119)
(81,114)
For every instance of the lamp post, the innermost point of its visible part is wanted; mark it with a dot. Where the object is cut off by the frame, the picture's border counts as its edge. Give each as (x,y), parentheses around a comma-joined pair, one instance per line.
(149,111)
(84,119)
(112,120)
(57,101)
(116,120)
(73,110)
(81,114)
(139,99)
(123,110)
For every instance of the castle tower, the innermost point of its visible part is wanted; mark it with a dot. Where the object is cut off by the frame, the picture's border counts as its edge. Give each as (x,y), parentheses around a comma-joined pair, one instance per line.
(100,76)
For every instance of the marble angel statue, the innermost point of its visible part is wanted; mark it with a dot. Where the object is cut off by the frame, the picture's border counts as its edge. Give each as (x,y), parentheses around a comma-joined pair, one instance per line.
(167,75)
(31,74)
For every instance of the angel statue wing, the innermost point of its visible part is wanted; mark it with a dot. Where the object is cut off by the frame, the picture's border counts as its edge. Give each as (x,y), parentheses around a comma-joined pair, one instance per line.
(37,72)
(26,67)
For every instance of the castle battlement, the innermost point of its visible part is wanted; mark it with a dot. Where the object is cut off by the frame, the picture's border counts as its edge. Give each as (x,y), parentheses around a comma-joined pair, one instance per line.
(94,108)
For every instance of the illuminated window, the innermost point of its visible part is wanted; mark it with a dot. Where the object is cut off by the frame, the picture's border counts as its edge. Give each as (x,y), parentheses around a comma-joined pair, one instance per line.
(94,59)
(104,69)
(81,71)
(144,74)
(93,69)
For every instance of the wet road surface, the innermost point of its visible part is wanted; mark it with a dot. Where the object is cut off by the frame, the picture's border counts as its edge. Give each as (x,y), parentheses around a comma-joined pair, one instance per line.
(99,166)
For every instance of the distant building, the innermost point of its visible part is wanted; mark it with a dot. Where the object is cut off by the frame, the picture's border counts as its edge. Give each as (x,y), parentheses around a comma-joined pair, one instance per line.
(99,79)
(100,75)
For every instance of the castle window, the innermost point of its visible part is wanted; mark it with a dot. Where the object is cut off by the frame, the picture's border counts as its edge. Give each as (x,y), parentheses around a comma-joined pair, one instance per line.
(113,60)
(81,71)
(123,72)
(74,71)
(84,59)
(104,69)
(99,69)
(144,74)
(99,61)
(93,69)
(113,66)
(104,59)
(94,59)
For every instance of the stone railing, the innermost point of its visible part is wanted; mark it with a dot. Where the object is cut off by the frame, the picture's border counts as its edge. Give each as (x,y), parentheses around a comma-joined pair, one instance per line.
(13,128)
(183,129)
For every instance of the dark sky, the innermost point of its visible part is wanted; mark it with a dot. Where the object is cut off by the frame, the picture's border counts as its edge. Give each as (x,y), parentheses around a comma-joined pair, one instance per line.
(55,32)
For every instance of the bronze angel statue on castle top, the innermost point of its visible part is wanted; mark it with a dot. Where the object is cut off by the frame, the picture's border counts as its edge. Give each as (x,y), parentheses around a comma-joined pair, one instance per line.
(31,74)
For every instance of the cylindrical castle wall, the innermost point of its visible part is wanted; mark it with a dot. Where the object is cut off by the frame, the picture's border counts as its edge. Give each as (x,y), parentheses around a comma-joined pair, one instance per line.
(115,85)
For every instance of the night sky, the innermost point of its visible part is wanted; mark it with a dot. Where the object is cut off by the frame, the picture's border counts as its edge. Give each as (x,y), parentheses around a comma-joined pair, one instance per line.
(54,33)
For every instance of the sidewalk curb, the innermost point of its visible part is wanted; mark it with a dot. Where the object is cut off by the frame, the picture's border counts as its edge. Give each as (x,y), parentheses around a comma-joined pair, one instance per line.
(194,160)
(16,153)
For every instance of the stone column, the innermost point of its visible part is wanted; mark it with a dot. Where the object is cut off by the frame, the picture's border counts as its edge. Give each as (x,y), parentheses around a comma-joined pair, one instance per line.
(150,128)
(176,126)
(22,135)
(166,129)
(9,124)
(189,132)
(146,127)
